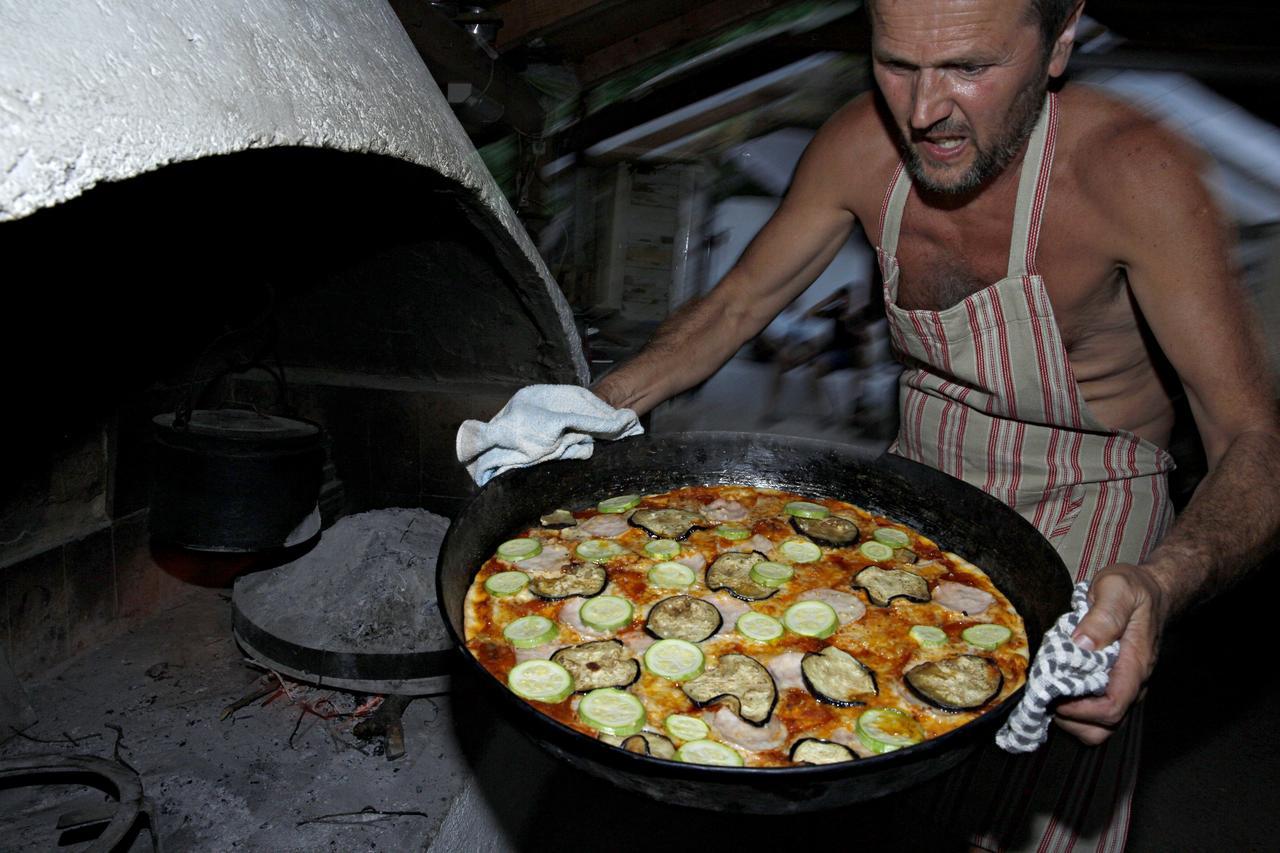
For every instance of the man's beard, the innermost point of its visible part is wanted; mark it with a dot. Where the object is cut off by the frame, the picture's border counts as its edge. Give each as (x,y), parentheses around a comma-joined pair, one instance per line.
(990,160)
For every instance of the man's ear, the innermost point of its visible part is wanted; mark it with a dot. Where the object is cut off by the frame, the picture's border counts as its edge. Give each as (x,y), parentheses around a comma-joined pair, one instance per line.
(1060,53)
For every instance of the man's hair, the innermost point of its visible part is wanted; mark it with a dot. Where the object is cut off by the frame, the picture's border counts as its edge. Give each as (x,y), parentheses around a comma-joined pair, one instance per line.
(1053,15)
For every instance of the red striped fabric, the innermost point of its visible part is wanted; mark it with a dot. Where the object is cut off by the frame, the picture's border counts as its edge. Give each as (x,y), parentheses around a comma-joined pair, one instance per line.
(989,395)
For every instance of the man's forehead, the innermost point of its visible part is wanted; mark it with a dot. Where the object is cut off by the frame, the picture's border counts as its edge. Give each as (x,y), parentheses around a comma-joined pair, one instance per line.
(933,30)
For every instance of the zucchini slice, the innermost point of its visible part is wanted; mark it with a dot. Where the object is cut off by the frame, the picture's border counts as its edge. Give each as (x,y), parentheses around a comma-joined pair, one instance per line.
(685,727)
(621,503)
(884,585)
(599,550)
(892,536)
(806,509)
(666,523)
(518,549)
(769,573)
(671,575)
(662,549)
(540,680)
(612,711)
(960,683)
(811,618)
(759,627)
(741,683)
(886,729)
(732,572)
(875,550)
(800,550)
(986,636)
(584,579)
(506,583)
(683,617)
(834,531)
(603,663)
(812,750)
(606,613)
(732,531)
(928,635)
(709,752)
(836,677)
(675,660)
(529,632)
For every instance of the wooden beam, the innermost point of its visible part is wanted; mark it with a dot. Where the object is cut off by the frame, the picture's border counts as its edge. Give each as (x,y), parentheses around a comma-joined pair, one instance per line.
(705,20)
(522,20)
(709,81)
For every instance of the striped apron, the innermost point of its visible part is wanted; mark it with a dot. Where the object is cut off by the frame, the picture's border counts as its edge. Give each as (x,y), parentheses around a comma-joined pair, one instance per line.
(988,396)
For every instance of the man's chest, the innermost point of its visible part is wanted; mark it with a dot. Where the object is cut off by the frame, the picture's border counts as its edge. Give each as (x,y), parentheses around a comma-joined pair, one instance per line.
(942,262)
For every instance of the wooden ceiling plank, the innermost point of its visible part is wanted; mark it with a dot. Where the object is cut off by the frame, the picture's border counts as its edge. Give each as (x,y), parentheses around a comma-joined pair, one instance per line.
(523,20)
(705,20)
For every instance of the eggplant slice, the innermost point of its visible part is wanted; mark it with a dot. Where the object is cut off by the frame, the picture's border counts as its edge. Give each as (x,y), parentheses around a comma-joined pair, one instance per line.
(683,617)
(961,683)
(559,519)
(584,579)
(834,531)
(603,663)
(812,750)
(649,743)
(837,678)
(732,572)
(644,743)
(741,683)
(667,523)
(884,585)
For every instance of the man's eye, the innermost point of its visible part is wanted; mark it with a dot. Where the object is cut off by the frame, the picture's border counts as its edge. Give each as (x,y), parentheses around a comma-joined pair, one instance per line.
(971,70)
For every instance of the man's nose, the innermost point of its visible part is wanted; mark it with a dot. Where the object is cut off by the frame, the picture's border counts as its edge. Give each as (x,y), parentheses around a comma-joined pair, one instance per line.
(930,99)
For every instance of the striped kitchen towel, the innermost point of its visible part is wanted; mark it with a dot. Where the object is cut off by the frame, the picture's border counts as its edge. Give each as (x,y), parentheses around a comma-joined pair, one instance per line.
(1061,670)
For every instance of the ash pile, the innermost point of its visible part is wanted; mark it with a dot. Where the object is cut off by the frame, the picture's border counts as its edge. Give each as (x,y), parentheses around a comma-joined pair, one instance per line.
(358,611)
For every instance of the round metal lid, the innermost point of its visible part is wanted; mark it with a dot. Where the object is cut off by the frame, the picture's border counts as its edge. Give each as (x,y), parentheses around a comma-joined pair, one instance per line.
(356,611)
(240,424)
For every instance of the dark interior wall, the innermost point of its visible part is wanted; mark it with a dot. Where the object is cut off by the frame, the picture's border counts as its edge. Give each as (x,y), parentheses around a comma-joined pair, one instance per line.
(387,296)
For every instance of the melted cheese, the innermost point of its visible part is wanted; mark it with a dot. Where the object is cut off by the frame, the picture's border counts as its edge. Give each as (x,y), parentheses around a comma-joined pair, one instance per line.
(879,639)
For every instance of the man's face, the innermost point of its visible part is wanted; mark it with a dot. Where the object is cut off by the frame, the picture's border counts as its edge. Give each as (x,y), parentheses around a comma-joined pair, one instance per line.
(964,81)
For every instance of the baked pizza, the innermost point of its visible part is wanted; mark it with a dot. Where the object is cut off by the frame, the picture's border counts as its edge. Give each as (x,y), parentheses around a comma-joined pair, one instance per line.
(734,625)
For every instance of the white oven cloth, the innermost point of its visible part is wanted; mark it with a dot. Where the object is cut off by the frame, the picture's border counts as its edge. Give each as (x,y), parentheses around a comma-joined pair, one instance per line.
(540,423)
(1061,670)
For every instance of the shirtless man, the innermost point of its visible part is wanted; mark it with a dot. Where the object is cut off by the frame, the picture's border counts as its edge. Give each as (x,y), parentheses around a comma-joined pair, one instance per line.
(1118,275)
(1053,268)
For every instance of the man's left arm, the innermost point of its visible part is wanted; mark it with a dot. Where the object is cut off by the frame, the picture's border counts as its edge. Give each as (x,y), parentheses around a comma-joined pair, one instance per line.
(1178,261)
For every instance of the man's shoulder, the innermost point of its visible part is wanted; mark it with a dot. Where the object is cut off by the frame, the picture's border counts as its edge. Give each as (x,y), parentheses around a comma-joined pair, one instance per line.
(856,151)
(1118,157)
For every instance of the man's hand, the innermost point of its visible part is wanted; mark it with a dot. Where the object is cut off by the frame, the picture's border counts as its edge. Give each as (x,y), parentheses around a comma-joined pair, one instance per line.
(1126,604)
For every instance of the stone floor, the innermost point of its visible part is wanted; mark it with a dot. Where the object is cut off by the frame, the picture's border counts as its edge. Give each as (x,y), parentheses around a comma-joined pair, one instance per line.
(264,778)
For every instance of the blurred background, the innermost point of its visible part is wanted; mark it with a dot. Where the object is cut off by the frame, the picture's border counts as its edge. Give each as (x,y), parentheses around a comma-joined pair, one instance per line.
(644,144)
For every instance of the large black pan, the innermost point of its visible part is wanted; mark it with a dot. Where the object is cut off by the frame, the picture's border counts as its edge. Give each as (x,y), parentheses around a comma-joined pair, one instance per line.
(957,516)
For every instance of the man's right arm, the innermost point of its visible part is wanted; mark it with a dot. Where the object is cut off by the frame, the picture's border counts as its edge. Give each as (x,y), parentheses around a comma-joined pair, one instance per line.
(811,224)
